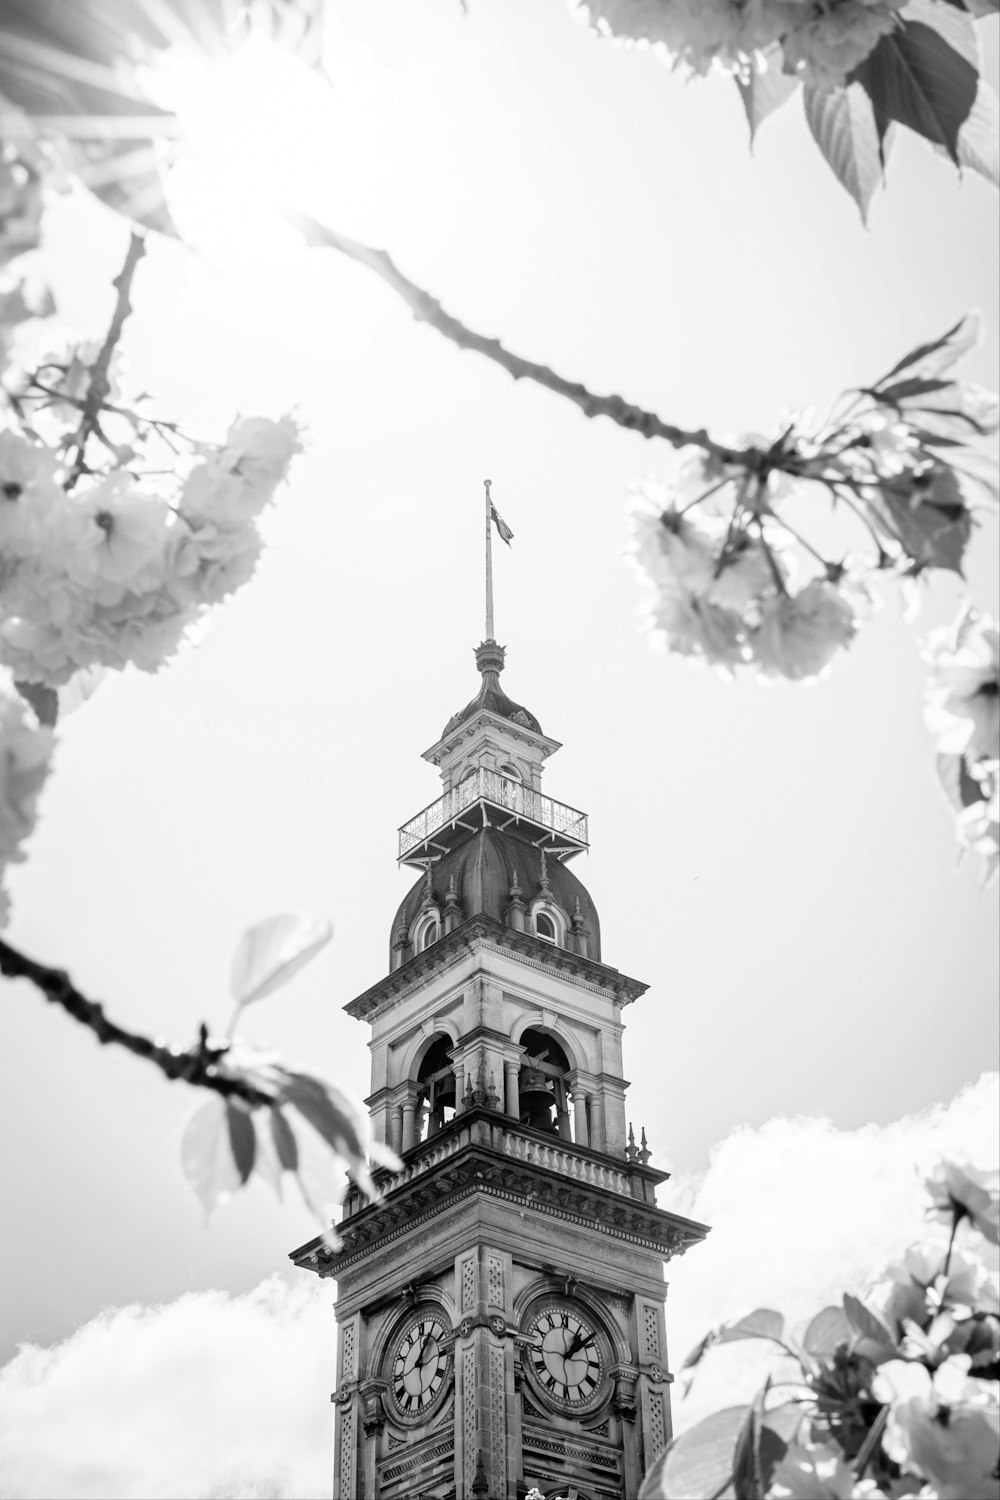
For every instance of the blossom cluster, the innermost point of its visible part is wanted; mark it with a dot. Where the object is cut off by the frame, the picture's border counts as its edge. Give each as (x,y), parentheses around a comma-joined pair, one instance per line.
(25,758)
(731,579)
(115,572)
(116,534)
(899,1394)
(963,713)
(821,44)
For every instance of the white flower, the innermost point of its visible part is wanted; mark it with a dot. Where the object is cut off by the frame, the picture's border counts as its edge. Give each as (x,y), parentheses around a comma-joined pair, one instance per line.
(113,538)
(29,493)
(890,442)
(799,633)
(958,1189)
(824,43)
(963,694)
(944,1427)
(700,34)
(25,755)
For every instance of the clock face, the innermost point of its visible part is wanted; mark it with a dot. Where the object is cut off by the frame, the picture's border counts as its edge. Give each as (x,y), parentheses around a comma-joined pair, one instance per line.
(565,1358)
(417,1365)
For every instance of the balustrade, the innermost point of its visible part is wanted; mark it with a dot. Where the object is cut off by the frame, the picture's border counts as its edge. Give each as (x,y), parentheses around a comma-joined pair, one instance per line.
(483,785)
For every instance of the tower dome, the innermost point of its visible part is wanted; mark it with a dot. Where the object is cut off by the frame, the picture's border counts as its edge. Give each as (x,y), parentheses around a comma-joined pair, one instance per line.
(491,697)
(489,871)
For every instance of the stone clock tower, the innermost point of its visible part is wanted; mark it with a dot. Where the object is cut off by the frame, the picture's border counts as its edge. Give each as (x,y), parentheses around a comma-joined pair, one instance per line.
(501,1307)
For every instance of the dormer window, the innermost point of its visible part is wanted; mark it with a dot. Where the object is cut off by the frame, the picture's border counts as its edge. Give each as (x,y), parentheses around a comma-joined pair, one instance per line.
(426,934)
(545,927)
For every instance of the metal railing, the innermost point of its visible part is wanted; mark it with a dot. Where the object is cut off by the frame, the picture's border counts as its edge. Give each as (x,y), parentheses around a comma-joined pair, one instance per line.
(483,785)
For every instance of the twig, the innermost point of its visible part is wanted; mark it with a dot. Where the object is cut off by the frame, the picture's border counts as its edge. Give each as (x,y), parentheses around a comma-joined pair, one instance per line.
(196,1065)
(99,385)
(428,310)
(867,1450)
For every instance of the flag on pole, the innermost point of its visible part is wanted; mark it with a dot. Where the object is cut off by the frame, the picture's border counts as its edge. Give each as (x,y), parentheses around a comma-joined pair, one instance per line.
(501,525)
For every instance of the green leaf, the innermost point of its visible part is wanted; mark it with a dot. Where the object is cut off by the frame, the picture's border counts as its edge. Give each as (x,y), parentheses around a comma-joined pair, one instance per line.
(242,1138)
(914,76)
(765,91)
(930,518)
(864,1324)
(270,952)
(207,1156)
(827,1331)
(904,390)
(700,1464)
(843,127)
(284,1142)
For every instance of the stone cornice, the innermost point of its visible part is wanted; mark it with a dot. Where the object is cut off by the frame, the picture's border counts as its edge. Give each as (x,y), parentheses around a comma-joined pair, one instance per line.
(479,1169)
(482,933)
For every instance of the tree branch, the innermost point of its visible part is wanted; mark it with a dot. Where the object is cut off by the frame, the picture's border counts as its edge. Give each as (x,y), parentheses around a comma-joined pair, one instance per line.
(198,1065)
(99,385)
(428,310)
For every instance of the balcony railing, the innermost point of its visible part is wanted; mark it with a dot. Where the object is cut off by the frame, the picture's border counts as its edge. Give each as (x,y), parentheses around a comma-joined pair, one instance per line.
(509,796)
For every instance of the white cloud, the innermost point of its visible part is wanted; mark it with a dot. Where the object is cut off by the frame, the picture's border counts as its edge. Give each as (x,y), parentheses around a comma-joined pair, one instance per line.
(802,1212)
(208,1396)
(215,1396)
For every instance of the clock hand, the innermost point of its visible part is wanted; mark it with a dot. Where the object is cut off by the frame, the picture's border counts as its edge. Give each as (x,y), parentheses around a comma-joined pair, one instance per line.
(577,1343)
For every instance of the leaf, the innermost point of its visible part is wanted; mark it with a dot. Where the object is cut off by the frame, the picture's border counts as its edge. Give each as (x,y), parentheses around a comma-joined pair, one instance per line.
(44,700)
(701,1462)
(914,76)
(763,1323)
(864,1324)
(284,1141)
(242,1138)
(765,90)
(979,138)
(940,354)
(207,1156)
(930,519)
(338,1118)
(271,951)
(961,789)
(843,127)
(904,390)
(827,1330)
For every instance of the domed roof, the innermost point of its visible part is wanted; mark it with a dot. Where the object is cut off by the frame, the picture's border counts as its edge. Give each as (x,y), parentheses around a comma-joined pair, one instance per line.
(489,660)
(483,869)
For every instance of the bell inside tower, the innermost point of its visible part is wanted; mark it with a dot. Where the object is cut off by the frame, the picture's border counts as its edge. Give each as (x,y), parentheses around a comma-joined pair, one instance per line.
(543,1084)
(436,1085)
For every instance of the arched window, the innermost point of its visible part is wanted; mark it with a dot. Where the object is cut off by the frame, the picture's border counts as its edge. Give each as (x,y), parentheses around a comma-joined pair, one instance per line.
(428,931)
(436,1080)
(543,1084)
(511,772)
(545,927)
(548,922)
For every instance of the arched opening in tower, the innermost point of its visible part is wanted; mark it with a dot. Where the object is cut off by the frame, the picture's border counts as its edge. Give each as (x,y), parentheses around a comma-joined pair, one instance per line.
(436,1099)
(543,1084)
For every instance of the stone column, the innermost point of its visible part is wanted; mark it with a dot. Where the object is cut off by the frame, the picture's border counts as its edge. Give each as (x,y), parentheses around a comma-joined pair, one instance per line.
(580,1134)
(396,1128)
(597,1121)
(512,1102)
(409,1124)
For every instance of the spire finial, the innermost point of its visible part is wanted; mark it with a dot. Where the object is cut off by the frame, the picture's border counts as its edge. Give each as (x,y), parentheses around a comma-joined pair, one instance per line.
(489,560)
(543,879)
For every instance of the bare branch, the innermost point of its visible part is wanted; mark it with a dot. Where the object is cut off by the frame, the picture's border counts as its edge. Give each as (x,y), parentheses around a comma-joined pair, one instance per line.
(428,310)
(198,1065)
(99,385)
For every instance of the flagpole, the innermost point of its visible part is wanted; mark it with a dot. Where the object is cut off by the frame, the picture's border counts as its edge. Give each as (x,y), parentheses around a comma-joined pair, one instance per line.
(489,562)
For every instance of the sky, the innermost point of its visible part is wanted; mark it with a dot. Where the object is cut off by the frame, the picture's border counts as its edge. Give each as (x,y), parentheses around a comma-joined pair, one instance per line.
(775,861)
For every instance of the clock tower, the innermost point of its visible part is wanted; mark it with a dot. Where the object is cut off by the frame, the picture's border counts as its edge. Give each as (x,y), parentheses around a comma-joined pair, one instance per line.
(500,1307)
